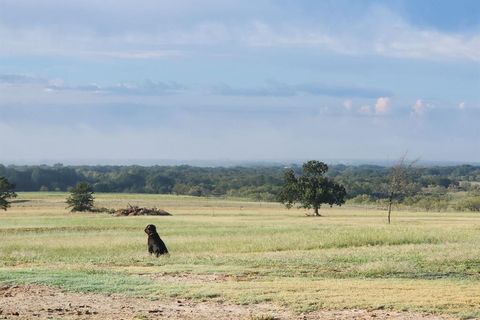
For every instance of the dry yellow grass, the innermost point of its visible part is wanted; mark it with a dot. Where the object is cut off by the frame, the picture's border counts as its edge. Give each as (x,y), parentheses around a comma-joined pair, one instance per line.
(248,252)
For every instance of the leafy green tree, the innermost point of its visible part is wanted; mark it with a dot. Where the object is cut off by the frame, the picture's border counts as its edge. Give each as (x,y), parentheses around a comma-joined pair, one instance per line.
(311,189)
(81,198)
(6,193)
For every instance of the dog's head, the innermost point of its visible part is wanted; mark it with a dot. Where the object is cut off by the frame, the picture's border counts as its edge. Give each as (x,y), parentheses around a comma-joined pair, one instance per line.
(150,229)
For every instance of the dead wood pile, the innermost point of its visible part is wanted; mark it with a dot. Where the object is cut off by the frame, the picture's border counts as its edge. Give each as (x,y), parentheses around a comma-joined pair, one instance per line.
(139,211)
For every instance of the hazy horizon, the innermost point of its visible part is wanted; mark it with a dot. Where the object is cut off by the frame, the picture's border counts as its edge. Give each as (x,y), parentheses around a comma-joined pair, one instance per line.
(240,81)
(220,162)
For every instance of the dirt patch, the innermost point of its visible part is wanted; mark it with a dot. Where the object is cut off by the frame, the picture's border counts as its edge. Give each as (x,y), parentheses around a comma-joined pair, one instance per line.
(186,277)
(197,278)
(42,302)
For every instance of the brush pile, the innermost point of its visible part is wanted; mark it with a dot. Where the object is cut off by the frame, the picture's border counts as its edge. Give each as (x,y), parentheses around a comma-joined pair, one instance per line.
(139,211)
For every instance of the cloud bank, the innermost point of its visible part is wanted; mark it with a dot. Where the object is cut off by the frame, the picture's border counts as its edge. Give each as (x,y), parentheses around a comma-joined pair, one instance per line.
(144,31)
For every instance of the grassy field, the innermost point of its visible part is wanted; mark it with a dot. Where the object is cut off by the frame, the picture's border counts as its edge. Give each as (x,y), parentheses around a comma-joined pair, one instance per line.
(249,252)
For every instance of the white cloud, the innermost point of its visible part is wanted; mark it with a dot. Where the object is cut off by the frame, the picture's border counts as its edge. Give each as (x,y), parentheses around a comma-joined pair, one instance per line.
(408,42)
(262,34)
(140,54)
(347,104)
(418,107)
(382,105)
(405,42)
(461,106)
(147,87)
(382,33)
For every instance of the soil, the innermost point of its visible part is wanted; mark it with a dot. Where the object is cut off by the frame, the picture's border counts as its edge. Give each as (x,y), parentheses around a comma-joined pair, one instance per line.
(43,302)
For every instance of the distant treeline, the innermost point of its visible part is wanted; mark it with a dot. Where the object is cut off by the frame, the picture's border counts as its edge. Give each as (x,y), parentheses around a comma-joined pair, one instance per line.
(363,183)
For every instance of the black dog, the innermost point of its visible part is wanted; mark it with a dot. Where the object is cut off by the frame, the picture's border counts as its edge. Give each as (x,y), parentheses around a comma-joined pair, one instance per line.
(155,244)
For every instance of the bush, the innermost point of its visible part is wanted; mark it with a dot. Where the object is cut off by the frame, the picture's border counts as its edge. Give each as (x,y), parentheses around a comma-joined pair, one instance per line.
(6,193)
(432,204)
(435,202)
(81,198)
(469,204)
(361,199)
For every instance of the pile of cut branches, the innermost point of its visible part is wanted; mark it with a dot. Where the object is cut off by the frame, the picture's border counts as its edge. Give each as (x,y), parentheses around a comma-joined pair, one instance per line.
(139,211)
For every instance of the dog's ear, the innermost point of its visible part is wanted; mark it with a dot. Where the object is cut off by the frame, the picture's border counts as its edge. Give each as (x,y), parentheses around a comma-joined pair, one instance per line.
(150,229)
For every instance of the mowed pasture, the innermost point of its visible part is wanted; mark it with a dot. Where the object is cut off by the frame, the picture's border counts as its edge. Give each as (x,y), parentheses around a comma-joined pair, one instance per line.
(248,252)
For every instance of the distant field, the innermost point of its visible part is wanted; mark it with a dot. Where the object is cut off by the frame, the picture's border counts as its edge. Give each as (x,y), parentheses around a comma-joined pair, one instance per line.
(249,252)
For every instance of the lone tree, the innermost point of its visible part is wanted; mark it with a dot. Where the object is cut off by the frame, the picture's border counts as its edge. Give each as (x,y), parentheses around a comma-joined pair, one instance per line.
(81,198)
(6,193)
(400,182)
(311,189)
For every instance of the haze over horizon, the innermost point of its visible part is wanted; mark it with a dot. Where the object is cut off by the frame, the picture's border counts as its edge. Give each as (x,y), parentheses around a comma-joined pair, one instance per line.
(263,81)
(225,162)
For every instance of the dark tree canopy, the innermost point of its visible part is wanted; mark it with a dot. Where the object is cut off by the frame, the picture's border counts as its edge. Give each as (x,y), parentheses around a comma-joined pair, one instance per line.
(6,193)
(81,197)
(255,182)
(311,189)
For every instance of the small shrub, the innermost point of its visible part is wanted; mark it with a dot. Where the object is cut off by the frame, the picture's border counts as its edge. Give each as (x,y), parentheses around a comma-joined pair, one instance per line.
(6,193)
(361,199)
(81,198)
(469,204)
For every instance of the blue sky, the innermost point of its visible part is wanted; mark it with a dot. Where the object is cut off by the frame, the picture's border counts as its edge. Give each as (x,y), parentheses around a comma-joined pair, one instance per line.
(239,80)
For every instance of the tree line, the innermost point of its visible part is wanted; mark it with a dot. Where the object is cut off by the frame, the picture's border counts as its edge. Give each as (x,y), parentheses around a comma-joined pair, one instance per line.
(363,183)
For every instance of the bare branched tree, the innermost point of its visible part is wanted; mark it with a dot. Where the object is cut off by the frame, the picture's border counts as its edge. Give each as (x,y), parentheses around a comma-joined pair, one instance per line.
(400,182)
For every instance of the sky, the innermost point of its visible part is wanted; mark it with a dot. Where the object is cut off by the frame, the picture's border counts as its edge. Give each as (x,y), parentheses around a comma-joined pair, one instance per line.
(239,80)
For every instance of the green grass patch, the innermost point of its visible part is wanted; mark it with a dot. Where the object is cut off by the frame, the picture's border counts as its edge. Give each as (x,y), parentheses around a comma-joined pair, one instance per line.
(248,252)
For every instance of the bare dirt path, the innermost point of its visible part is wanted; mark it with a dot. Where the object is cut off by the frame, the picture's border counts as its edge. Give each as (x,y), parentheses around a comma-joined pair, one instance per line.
(42,302)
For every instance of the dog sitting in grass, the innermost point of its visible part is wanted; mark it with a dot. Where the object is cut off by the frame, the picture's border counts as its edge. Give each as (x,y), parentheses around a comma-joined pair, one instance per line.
(155,244)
